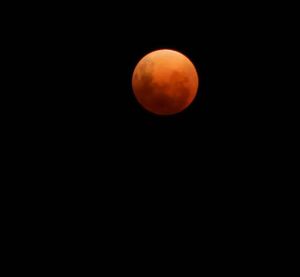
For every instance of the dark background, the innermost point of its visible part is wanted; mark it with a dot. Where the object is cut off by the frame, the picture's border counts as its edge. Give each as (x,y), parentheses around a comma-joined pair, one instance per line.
(87,127)
(86,56)
(105,165)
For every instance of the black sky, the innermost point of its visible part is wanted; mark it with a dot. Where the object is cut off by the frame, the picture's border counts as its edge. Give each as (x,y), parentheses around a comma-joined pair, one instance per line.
(105,165)
(87,55)
(87,123)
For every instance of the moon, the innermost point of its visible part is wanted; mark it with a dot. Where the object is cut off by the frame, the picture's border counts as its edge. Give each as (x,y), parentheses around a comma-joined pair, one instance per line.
(165,82)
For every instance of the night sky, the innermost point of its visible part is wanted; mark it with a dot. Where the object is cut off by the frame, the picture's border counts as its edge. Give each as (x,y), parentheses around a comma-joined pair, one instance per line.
(105,165)
(84,112)
(90,118)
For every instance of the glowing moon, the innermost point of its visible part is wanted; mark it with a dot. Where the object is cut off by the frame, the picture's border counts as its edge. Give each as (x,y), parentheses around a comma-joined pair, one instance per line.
(165,82)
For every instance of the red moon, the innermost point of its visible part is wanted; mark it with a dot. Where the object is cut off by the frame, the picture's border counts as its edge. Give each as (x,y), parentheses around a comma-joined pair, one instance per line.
(165,82)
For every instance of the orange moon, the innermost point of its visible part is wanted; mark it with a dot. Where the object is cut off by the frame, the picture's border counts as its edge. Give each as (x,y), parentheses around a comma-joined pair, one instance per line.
(165,82)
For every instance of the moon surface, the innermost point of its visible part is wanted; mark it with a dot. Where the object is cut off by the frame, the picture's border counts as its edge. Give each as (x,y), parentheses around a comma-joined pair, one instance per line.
(165,82)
